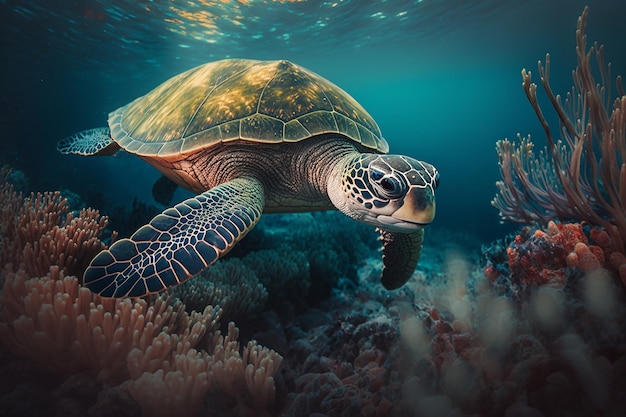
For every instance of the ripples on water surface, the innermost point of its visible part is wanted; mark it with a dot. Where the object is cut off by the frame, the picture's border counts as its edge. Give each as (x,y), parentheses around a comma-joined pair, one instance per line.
(141,30)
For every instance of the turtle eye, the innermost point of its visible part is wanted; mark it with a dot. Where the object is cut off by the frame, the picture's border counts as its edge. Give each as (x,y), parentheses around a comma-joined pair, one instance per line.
(387,184)
(391,187)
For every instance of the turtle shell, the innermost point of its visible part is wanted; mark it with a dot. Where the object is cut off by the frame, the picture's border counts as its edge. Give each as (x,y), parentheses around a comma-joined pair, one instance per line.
(239,99)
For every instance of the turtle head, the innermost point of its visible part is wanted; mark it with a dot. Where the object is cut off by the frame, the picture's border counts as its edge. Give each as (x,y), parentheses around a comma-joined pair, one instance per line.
(392,192)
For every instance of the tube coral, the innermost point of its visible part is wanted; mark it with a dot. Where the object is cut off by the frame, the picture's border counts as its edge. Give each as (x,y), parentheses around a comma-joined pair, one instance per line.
(582,175)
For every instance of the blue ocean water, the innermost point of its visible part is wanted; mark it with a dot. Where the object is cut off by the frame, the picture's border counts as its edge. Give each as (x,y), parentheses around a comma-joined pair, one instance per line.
(442,78)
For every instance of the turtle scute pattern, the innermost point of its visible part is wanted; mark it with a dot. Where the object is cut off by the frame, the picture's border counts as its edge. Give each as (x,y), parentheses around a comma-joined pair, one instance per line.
(271,102)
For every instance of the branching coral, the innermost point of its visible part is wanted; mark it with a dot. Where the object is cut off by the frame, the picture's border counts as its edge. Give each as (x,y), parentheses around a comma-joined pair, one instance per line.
(38,231)
(67,329)
(237,382)
(155,346)
(582,175)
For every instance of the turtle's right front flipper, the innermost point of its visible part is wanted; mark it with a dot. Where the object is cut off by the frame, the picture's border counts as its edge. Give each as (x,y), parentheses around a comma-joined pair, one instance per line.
(179,243)
(89,142)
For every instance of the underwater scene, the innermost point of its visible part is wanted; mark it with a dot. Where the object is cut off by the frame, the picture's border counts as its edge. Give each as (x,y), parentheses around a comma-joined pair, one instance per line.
(312,208)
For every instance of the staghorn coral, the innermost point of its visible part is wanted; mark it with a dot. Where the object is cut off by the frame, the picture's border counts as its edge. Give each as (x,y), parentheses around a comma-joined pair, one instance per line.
(582,175)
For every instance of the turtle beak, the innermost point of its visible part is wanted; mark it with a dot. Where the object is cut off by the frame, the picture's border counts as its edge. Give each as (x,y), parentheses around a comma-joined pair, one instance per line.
(418,207)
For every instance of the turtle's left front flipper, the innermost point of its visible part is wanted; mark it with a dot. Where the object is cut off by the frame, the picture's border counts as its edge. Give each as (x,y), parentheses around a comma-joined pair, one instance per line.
(401,251)
(179,243)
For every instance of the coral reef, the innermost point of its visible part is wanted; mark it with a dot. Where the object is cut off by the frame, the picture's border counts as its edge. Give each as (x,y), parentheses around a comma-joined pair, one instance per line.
(39,231)
(551,257)
(285,273)
(582,175)
(234,382)
(145,356)
(450,342)
(229,284)
(538,328)
(65,328)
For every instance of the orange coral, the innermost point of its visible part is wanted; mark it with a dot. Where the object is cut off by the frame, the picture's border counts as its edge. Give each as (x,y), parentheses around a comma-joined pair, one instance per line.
(541,257)
(584,258)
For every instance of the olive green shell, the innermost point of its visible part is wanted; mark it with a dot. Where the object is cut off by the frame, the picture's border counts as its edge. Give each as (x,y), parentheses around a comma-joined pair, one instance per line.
(238,99)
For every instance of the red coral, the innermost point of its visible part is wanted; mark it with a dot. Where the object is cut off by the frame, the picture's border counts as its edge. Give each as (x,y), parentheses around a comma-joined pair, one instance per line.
(600,237)
(491,272)
(450,340)
(566,235)
(541,258)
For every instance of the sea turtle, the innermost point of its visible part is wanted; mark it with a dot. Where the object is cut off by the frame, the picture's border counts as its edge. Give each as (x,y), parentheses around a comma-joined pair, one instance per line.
(252,137)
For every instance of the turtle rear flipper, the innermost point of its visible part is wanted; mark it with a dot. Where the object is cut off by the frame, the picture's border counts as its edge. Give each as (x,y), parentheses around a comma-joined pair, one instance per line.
(163,190)
(401,251)
(89,142)
(179,243)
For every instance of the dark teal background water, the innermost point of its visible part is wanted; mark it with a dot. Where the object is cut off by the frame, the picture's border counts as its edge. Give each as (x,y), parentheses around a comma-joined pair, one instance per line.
(442,78)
